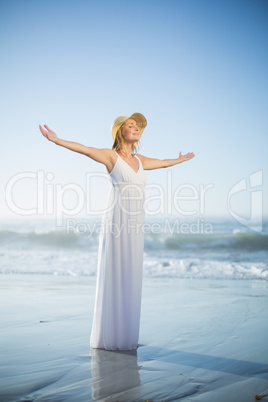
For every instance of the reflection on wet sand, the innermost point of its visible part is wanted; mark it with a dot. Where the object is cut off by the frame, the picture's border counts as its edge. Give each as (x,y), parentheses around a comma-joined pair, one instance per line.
(114,372)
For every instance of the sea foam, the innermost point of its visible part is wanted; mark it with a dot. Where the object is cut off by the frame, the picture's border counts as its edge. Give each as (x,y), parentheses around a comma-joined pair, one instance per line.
(230,252)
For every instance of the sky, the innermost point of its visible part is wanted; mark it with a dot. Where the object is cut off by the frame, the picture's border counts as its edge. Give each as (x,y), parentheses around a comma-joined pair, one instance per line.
(197,69)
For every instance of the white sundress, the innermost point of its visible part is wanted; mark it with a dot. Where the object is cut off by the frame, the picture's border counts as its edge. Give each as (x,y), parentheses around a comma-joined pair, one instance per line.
(116,318)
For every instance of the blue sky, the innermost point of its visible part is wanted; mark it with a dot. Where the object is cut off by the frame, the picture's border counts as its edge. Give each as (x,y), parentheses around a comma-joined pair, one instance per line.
(197,69)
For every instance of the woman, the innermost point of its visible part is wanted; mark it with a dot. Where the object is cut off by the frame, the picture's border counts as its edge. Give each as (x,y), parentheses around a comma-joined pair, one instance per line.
(119,277)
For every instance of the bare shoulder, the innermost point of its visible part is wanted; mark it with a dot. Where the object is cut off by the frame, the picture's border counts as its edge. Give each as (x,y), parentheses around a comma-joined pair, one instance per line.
(144,160)
(108,150)
(150,163)
(111,158)
(102,155)
(141,157)
(111,154)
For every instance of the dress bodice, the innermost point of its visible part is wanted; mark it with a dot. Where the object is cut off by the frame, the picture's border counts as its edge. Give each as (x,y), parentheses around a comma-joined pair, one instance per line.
(122,172)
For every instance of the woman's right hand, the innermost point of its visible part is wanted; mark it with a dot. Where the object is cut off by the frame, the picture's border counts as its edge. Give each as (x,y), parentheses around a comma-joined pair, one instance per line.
(104,156)
(49,134)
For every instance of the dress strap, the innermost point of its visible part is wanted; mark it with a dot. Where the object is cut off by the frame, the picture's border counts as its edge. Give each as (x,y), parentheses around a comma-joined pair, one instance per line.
(138,158)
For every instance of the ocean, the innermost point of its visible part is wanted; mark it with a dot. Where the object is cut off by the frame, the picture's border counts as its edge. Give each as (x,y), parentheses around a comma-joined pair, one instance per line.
(215,248)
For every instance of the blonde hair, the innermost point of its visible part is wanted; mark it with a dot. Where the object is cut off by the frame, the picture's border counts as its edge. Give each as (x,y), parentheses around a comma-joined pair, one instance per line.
(119,141)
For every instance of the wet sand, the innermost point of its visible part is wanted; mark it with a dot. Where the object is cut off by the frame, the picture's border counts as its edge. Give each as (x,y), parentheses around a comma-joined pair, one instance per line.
(200,340)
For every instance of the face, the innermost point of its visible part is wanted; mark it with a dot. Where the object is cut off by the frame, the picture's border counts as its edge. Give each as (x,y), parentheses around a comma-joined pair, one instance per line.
(131,132)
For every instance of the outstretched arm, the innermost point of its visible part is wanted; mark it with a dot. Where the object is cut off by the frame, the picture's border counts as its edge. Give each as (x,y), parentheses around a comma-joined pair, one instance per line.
(151,163)
(73,146)
(99,155)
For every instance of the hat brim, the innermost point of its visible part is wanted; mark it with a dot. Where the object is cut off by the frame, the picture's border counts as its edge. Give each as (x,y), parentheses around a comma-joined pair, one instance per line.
(138,117)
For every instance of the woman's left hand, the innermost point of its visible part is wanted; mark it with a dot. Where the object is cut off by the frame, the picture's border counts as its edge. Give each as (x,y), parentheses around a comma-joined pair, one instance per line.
(187,157)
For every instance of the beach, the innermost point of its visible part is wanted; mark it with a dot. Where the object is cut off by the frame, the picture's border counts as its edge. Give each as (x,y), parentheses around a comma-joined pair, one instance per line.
(93,157)
(200,340)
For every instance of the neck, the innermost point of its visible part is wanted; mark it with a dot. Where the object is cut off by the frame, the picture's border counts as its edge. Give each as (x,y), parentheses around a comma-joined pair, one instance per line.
(126,150)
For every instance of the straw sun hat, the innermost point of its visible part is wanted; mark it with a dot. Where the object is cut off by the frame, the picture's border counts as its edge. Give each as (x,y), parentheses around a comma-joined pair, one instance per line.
(138,117)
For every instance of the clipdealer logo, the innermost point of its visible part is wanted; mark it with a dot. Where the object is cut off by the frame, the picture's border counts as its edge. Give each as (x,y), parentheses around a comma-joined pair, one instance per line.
(46,197)
(254,191)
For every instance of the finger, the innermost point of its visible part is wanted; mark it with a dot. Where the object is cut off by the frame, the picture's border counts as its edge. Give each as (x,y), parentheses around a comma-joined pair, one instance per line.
(44,133)
(47,127)
(41,129)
